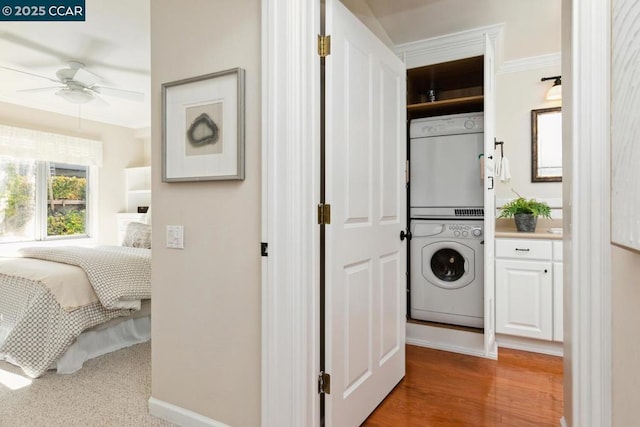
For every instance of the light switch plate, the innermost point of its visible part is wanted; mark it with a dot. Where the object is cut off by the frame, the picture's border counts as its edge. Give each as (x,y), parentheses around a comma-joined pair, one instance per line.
(175,236)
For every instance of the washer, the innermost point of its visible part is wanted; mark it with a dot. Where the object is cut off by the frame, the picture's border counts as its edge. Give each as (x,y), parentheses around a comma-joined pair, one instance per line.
(447,274)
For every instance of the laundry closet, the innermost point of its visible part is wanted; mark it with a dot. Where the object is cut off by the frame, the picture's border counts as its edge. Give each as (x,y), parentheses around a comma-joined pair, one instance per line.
(450,200)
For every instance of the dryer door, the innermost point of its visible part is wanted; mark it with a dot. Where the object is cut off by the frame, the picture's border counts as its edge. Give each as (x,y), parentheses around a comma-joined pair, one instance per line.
(448,265)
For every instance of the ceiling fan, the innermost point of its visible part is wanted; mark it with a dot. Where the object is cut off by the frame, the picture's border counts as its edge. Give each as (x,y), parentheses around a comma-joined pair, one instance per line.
(78,85)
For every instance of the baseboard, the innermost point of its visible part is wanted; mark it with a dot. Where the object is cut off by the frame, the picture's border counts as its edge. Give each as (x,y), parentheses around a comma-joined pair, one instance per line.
(445,347)
(182,417)
(455,341)
(551,348)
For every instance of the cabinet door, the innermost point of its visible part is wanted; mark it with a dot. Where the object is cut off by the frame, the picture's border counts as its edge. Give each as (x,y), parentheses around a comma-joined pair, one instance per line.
(558,289)
(524,298)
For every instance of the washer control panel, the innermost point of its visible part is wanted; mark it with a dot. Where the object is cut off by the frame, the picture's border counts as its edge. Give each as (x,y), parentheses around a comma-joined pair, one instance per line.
(464,231)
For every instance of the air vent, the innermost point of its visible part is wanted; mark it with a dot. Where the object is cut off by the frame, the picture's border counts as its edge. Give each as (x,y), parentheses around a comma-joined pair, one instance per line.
(469,212)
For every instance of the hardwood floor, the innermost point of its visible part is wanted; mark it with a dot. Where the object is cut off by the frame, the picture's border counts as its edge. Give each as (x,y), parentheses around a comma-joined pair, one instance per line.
(520,389)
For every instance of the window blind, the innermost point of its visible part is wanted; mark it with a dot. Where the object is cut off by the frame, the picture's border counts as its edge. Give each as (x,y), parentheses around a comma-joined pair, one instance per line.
(46,146)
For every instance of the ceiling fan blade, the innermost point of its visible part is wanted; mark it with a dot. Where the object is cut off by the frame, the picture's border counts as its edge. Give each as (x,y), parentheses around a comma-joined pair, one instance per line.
(87,78)
(100,102)
(30,74)
(40,89)
(129,95)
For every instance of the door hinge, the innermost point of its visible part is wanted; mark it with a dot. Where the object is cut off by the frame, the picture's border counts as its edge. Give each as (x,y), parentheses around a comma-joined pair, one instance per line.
(264,249)
(324,46)
(324,214)
(324,383)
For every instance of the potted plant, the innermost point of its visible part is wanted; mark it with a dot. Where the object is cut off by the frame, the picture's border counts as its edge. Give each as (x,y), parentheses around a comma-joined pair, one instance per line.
(525,212)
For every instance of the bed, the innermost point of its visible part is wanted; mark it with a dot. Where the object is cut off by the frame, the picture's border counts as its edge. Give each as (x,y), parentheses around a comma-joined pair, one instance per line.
(60,306)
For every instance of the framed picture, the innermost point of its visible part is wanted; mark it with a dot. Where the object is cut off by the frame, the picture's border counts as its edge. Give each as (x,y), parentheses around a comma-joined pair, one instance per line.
(203,128)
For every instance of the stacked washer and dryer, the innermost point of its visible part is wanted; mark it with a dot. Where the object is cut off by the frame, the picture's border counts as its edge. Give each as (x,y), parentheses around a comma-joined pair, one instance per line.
(446,220)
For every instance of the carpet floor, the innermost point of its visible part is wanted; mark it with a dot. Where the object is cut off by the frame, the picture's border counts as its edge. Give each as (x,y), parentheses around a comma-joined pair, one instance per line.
(111,390)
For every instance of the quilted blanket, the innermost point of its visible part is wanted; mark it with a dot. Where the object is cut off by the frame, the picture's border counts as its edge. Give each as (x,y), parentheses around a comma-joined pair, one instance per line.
(35,330)
(120,276)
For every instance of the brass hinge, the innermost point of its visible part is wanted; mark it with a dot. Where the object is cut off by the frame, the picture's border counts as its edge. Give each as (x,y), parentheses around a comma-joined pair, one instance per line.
(324,46)
(324,383)
(324,214)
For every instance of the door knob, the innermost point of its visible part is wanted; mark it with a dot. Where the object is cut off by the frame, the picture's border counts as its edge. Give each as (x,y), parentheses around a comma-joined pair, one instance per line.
(404,235)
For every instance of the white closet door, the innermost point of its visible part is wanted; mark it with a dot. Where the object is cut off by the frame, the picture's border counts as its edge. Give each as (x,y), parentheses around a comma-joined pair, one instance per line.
(490,347)
(365,185)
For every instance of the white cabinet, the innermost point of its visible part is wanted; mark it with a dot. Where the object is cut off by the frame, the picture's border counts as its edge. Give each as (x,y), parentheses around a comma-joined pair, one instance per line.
(527,287)
(138,187)
(138,193)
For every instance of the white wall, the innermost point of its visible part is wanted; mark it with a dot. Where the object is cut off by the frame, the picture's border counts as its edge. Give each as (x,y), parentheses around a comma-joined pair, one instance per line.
(517,93)
(363,12)
(207,297)
(120,149)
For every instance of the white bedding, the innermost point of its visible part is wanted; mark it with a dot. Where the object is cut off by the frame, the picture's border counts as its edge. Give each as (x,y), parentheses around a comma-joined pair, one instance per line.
(105,338)
(35,330)
(69,284)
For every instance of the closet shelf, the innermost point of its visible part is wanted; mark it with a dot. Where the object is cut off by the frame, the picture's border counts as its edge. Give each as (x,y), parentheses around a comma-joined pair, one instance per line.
(468,101)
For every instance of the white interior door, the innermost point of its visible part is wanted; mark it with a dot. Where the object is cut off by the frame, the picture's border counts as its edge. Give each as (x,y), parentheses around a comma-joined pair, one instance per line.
(490,348)
(365,185)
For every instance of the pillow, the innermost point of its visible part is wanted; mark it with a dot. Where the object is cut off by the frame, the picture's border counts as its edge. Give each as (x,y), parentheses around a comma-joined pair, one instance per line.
(138,235)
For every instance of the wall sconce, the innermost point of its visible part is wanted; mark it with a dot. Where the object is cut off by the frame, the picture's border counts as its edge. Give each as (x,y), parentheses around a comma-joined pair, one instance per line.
(555,92)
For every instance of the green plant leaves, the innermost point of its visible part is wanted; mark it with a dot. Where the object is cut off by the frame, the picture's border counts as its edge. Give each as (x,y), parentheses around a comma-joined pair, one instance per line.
(529,206)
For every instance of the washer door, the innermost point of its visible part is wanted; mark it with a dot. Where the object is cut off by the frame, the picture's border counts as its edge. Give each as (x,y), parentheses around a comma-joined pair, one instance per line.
(448,265)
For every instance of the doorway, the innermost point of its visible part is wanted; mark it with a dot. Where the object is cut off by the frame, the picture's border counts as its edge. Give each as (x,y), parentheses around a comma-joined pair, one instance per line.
(294,385)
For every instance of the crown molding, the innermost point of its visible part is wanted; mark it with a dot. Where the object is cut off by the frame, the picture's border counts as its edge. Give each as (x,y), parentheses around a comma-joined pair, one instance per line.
(453,46)
(531,63)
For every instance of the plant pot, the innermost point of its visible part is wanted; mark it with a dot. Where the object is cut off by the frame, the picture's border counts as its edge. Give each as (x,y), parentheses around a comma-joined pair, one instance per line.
(526,222)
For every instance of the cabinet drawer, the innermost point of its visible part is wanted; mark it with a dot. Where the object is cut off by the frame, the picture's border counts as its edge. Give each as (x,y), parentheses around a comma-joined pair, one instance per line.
(523,249)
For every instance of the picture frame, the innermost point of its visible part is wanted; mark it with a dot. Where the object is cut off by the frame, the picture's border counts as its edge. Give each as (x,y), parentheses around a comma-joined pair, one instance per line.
(203,127)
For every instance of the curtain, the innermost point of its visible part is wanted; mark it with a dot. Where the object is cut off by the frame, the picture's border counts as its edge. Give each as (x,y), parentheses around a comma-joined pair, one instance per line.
(52,147)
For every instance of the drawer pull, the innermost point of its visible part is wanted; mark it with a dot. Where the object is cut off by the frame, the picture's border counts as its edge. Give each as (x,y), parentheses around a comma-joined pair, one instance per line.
(523,250)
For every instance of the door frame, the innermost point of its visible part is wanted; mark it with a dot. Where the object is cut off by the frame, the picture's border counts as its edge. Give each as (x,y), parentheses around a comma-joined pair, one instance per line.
(290,193)
(586,59)
(290,174)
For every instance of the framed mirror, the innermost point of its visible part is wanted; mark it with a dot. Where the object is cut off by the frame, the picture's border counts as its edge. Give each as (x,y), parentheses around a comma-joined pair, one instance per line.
(546,145)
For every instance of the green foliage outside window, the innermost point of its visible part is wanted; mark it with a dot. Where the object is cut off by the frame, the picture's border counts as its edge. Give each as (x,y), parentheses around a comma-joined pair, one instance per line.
(65,220)
(68,187)
(65,224)
(18,194)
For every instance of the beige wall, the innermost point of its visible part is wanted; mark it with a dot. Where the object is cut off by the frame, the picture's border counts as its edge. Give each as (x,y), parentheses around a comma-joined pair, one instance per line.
(517,94)
(625,290)
(207,297)
(120,149)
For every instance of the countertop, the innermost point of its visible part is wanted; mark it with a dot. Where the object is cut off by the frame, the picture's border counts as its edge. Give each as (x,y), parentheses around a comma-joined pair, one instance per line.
(506,227)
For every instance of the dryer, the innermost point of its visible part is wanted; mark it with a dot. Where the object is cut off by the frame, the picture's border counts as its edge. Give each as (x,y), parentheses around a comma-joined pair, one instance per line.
(445,179)
(447,271)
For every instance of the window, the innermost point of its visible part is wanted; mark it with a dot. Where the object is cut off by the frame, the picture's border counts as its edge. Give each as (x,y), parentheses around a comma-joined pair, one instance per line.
(45,184)
(41,200)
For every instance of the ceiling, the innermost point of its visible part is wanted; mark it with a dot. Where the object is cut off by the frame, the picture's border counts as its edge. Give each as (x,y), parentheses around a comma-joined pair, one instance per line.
(532,28)
(116,46)
(112,44)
